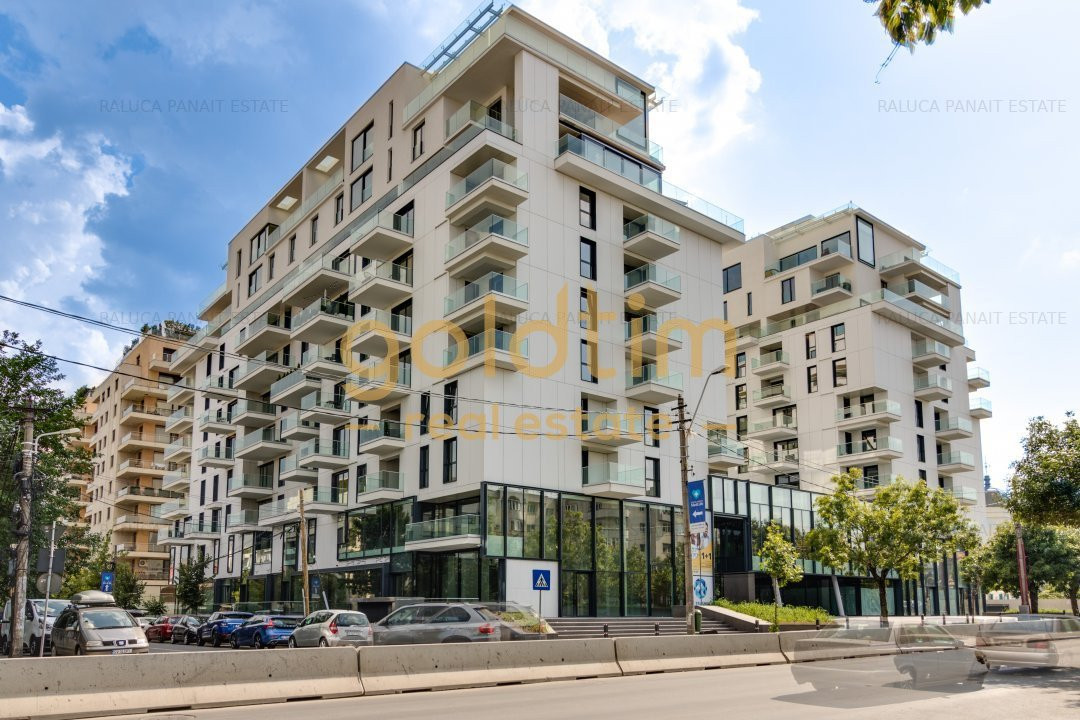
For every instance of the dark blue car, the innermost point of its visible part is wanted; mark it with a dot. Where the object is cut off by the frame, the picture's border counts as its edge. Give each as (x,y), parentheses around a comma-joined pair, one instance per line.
(219,627)
(264,631)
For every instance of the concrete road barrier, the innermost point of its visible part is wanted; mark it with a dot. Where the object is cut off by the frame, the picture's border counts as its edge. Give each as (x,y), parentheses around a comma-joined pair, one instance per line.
(68,687)
(811,645)
(404,668)
(681,652)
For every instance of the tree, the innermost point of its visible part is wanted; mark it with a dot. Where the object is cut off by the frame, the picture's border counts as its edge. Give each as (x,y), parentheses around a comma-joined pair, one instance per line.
(154,606)
(1053,559)
(899,530)
(127,588)
(1069,584)
(1045,486)
(189,584)
(910,22)
(780,560)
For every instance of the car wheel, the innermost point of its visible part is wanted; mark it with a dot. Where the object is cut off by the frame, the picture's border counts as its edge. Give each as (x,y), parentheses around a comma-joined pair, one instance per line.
(199,641)
(215,640)
(78,650)
(292,644)
(234,642)
(258,643)
(323,643)
(34,647)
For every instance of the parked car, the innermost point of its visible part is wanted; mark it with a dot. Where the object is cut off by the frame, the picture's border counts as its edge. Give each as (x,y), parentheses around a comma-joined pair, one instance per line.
(264,631)
(146,621)
(37,624)
(220,626)
(162,629)
(437,623)
(1034,641)
(184,629)
(331,628)
(94,625)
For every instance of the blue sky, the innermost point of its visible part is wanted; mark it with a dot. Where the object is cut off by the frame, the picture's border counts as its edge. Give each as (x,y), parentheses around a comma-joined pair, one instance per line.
(117,199)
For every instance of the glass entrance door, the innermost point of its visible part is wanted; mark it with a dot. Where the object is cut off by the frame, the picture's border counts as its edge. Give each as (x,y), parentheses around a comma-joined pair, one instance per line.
(575,589)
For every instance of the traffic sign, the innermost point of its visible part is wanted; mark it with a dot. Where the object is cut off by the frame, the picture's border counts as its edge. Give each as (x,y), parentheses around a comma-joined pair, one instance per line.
(106,581)
(698,520)
(315,584)
(541,579)
(44,583)
(700,589)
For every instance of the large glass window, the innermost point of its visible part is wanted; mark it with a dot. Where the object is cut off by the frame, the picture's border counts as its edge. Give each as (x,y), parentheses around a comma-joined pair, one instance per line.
(733,277)
(515,522)
(361,147)
(449,474)
(608,558)
(587,259)
(577,523)
(839,372)
(532,510)
(652,477)
(865,235)
(661,540)
(787,290)
(360,190)
(496,519)
(839,337)
(635,552)
(587,208)
(551,526)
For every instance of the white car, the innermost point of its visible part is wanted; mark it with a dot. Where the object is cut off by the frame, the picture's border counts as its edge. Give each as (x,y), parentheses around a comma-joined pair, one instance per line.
(332,628)
(37,624)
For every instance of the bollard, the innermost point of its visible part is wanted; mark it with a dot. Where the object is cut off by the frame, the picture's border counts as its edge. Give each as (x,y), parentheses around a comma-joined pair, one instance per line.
(847,623)
(605,630)
(757,626)
(817,623)
(943,620)
(656,628)
(697,622)
(922,619)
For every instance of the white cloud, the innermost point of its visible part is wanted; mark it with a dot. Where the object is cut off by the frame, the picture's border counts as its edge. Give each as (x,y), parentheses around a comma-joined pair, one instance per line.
(52,186)
(1070,259)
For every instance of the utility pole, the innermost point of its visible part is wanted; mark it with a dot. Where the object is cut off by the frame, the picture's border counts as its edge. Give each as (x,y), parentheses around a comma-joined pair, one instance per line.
(48,589)
(1021,566)
(303,555)
(22,530)
(688,563)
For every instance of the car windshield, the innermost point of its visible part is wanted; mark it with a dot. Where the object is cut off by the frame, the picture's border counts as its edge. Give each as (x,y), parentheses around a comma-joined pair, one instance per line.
(55,606)
(351,620)
(284,623)
(234,616)
(106,619)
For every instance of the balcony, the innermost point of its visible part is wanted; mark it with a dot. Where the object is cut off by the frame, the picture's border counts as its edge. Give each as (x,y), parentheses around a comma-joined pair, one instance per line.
(879,413)
(216,301)
(333,410)
(253,414)
(136,389)
(911,262)
(291,427)
(262,445)
(219,388)
(205,339)
(628,137)
(379,382)
(242,521)
(774,461)
(143,551)
(325,361)
(180,421)
(611,429)
(866,486)
(136,468)
(611,480)
(493,188)
(180,393)
(259,372)
(980,408)
(770,363)
(923,294)
(134,522)
(173,536)
(829,290)
(954,428)
(290,469)
(135,441)
(323,320)
(645,385)
(651,237)
(326,455)
(289,389)
(835,253)
(870,449)
(251,487)
(381,333)
(384,237)
(930,353)
(317,501)
(219,422)
(964,495)
(217,456)
(778,427)
(178,451)
(725,453)
(495,293)
(978,378)
(172,510)
(138,495)
(202,530)
(772,396)
(267,332)
(955,461)
(382,437)
(490,349)
(460,532)
(925,322)
(137,414)
(493,243)
(382,486)
(382,284)
(476,114)
(655,286)
(177,478)
(318,276)
(644,337)
(933,386)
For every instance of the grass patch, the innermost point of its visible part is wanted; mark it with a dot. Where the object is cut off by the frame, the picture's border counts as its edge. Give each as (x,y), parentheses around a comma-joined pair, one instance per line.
(767,612)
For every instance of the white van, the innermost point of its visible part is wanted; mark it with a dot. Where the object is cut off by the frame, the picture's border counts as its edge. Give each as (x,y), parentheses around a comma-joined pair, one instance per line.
(36,624)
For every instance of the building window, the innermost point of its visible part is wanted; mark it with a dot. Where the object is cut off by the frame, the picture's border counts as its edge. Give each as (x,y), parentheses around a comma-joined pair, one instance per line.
(450,400)
(390,119)
(922,476)
(361,148)
(865,239)
(740,397)
(811,378)
(292,249)
(587,208)
(389,164)
(732,278)
(587,255)
(239,260)
(741,424)
(339,208)
(314,230)
(652,477)
(270,267)
(839,338)
(725,311)
(920,446)
(253,281)
(588,317)
(425,412)
(749,304)
(811,345)
(918,413)
(787,290)
(740,365)
(839,372)
(449,461)
(425,460)
(418,141)
(360,191)
(588,361)
(652,427)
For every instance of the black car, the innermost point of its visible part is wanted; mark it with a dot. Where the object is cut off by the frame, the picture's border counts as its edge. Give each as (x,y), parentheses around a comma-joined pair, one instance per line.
(184,629)
(219,627)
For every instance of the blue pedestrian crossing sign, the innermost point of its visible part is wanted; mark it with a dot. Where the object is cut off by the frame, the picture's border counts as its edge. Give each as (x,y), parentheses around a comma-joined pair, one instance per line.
(106,581)
(541,579)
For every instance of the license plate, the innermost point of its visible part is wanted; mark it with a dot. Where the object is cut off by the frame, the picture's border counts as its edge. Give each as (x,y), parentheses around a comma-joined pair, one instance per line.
(122,651)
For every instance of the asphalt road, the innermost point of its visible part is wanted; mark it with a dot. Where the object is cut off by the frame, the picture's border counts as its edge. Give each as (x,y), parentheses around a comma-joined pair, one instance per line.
(758,692)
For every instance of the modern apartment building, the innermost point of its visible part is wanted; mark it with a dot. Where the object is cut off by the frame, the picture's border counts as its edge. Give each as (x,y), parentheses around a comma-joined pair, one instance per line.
(127,415)
(850,354)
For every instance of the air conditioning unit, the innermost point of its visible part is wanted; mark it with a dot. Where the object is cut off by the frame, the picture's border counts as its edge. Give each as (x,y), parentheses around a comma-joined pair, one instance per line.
(142,563)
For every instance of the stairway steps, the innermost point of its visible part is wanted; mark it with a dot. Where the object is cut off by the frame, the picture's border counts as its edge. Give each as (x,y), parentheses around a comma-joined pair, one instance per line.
(582,628)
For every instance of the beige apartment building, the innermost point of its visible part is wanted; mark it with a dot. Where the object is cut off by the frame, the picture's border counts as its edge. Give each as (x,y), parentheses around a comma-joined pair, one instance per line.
(127,416)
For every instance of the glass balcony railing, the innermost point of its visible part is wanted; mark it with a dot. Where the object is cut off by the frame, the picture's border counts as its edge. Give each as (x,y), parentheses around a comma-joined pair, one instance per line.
(178,445)
(213,296)
(385,320)
(955,424)
(216,453)
(380,429)
(261,481)
(613,424)
(201,528)
(774,457)
(323,306)
(956,457)
(883,295)
(316,401)
(493,168)
(832,282)
(613,473)
(878,407)
(221,416)
(922,348)
(652,273)
(178,415)
(288,382)
(267,320)
(241,518)
(836,246)
(922,290)
(652,224)
(923,258)
(137,464)
(313,265)
(161,411)
(292,463)
(145,437)
(165,509)
(383,270)
(872,482)
(440,528)
(253,406)
(978,374)
(605,126)
(870,445)
(473,113)
(382,480)
(491,225)
(722,445)
(980,403)
(331,448)
(772,391)
(933,380)
(292,421)
(770,358)
(964,494)
(493,282)
(138,491)
(268,435)
(776,422)
(498,340)
(385,220)
(650,374)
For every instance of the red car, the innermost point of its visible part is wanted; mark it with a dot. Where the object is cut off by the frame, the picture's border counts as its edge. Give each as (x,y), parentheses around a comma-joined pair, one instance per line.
(162,629)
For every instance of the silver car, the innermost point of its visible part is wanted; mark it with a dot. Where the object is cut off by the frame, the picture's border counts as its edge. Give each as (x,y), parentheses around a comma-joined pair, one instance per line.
(438,623)
(331,628)
(94,625)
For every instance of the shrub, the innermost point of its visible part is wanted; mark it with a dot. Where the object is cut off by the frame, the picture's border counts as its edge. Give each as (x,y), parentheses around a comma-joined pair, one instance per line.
(766,611)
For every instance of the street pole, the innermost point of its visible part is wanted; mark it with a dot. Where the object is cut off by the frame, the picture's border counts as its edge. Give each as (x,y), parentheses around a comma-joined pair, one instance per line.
(303,555)
(48,589)
(688,563)
(22,530)
(1021,565)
